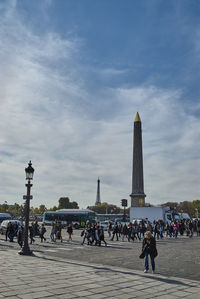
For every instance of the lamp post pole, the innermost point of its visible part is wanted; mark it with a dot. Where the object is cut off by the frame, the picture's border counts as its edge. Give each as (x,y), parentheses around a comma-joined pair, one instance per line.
(124,203)
(29,176)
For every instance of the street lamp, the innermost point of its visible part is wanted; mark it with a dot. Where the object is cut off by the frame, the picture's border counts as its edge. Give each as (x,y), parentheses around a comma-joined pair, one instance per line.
(29,176)
(124,203)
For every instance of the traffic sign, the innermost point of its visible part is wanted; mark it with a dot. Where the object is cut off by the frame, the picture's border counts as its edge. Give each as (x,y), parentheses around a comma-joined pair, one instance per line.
(25,197)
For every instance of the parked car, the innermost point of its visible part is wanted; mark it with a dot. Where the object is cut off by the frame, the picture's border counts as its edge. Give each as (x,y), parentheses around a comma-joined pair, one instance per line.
(4,224)
(4,216)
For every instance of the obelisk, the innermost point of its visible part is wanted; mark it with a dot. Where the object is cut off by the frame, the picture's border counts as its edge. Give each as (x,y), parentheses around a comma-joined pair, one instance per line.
(98,199)
(137,195)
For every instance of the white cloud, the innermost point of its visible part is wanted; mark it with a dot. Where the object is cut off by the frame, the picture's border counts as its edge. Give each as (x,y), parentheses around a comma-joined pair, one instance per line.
(73,135)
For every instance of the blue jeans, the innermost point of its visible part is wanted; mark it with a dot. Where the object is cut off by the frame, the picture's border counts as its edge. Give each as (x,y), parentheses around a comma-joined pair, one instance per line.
(147,261)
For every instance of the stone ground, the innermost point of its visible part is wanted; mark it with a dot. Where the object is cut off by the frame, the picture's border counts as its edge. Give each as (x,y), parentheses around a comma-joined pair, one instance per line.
(179,258)
(69,270)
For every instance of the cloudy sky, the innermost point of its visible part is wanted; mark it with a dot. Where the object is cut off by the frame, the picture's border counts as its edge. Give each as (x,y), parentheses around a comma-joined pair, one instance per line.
(73,74)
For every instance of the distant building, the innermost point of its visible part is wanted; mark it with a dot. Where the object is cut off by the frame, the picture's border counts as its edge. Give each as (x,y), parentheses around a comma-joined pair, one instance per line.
(98,198)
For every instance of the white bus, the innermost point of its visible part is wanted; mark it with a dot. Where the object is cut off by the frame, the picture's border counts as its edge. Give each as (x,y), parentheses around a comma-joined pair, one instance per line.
(77,217)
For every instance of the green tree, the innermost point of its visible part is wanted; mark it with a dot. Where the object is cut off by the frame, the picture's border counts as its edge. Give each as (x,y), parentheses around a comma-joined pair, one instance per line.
(64,203)
(36,211)
(4,208)
(105,208)
(53,209)
(42,209)
(196,207)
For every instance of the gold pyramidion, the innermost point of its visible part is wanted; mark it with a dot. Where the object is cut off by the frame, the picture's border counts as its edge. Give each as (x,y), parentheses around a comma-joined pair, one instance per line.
(137,117)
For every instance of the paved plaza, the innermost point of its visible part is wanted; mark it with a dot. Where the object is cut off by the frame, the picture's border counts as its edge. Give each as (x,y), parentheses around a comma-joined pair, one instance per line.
(69,270)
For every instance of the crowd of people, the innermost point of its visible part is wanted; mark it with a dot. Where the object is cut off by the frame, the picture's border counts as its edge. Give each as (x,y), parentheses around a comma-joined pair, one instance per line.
(94,234)
(136,230)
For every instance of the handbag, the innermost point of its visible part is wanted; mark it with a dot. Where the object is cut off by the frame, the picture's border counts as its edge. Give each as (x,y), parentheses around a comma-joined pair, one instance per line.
(142,255)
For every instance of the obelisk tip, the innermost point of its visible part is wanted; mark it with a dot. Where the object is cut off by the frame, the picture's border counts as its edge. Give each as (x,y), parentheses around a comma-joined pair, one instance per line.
(137,118)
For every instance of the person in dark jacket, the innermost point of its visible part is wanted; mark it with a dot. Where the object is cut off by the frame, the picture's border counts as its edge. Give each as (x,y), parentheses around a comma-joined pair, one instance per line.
(101,236)
(115,231)
(43,231)
(20,236)
(149,248)
(15,228)
(31,231)
(10,231)
(70,231)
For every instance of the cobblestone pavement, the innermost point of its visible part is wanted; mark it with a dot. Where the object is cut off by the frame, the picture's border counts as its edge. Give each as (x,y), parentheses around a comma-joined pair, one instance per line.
(29,277)
(178,258)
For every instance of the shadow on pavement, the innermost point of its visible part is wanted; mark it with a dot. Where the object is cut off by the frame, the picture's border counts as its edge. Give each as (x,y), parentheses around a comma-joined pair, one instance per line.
(99,268)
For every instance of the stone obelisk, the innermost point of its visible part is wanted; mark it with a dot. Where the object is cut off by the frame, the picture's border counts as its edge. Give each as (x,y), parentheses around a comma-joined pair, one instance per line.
(137,195)
(98,199)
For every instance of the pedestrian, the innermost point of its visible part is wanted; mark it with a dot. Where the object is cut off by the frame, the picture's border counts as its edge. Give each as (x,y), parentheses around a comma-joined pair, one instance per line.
(58,230)
(42,232)
(115,232)
(15,229)
(198,228)
(191,228)
(52,234)
(36,229)
(142,229)
(135,231)
(101,236)
(20,236)
(97,236)
(175,227)
(156,230)
(70,231)
(7,230)
(130,231)
(124,231)
(84,234)
(109,228)
(31,233)
(149,248)
(10,231)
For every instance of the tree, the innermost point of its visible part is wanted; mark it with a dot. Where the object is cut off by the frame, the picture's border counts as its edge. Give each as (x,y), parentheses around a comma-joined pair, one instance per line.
(105,208)
(42,209)
(36,211)
(53,209)
(196,206)
(4,208)
(64,203)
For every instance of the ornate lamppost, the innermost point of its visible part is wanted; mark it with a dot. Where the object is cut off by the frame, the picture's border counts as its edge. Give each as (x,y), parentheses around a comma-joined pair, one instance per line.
(29,176)
(124,203)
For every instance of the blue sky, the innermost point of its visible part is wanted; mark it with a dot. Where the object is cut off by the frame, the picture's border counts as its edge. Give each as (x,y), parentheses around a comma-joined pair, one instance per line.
(74,74)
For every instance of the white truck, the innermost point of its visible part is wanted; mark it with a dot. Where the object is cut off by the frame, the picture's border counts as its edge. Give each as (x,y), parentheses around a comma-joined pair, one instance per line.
(153,213)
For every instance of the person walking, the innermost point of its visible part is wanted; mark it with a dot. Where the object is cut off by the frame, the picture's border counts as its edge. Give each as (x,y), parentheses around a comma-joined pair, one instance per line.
(53,231)
(58,231)
(149,249)
(175,227)
(20,236)
(101,236)
(70,232)
(31,233)
(109,228)
(115,232)
(43,231)
(124,232)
